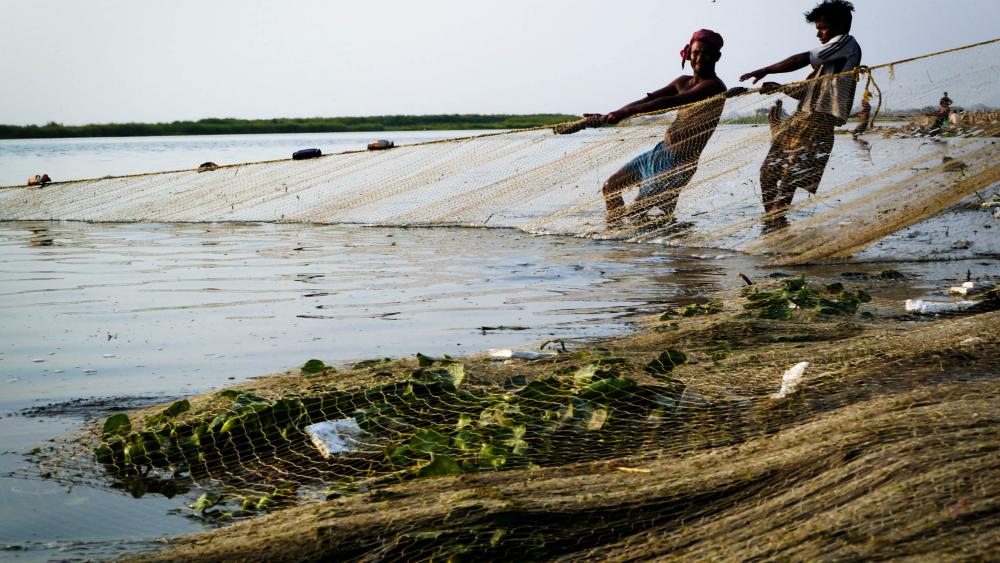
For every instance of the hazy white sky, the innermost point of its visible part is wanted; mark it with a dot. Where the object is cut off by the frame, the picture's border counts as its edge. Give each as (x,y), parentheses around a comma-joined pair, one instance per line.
(98,61)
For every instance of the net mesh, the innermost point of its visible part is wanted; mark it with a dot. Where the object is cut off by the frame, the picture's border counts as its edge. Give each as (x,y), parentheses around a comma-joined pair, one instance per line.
(913,164)
(704,436)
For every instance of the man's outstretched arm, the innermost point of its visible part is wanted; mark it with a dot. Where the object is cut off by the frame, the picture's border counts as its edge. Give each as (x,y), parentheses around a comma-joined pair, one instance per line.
(700,91)
(791,64)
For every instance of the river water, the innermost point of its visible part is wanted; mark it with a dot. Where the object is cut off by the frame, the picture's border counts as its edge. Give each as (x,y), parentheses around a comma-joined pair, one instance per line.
(147,312)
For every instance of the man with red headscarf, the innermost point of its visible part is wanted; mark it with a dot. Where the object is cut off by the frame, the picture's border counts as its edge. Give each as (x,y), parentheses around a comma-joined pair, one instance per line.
(664,171)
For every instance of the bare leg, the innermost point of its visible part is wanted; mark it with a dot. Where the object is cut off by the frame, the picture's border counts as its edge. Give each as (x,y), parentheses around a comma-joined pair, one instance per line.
(613,188)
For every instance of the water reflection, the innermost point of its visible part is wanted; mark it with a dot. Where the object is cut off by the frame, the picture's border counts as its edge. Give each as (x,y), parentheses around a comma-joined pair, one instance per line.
(40,236)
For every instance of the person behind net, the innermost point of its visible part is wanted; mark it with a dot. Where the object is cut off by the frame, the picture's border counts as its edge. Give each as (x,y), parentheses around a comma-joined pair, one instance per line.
(799,154)
(944,110)
(662,172)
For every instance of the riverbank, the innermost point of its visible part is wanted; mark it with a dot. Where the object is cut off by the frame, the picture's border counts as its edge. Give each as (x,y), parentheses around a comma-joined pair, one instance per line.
(231,126)
(682,440)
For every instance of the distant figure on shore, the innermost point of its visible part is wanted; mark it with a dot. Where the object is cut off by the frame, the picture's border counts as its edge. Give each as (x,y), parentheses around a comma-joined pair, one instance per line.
(799,153)
(662,172)
(944,109)
(945,103)
(39,180)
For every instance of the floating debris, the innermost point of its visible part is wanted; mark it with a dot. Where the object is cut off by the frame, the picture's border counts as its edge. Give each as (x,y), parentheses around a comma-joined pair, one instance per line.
(506,354)
(923,307)
(790,380)
(334,437)
(971,288)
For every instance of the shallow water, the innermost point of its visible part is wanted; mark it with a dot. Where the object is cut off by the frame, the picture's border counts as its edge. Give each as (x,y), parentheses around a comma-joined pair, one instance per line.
(71,159)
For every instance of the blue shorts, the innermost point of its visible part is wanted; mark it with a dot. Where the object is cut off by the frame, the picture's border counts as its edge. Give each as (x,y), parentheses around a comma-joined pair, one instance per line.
(658,171)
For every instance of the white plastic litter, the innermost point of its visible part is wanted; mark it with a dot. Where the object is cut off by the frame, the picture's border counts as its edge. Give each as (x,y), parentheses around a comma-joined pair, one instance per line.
(922,307)
(790,380)
(506,354)
(334,437)
(971,288)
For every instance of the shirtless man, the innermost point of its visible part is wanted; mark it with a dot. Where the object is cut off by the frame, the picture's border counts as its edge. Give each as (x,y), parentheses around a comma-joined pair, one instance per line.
(662,172)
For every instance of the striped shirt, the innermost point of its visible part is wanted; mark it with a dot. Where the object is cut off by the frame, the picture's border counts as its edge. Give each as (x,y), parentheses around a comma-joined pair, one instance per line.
(835,95)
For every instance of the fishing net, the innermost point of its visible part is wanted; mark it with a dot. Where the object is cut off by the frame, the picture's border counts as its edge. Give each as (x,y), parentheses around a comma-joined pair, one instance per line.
(912,163)
(706,436)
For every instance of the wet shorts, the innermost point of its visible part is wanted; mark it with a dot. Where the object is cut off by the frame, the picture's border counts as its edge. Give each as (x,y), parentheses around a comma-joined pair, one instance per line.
(658,171)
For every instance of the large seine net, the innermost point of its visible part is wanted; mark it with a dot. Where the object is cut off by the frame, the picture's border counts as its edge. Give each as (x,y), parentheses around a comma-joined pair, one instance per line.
(542,182)
(673,444)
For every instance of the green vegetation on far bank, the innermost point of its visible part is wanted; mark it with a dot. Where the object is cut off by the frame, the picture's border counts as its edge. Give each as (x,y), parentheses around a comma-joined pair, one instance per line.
(231,126)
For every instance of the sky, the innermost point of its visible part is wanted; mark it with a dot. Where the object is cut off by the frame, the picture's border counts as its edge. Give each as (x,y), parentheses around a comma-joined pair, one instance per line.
(102,61)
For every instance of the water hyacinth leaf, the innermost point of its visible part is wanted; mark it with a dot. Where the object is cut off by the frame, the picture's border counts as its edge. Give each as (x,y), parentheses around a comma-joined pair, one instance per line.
(230,424)
(457,372)
(805,298)
(617,388)
(400,456)
(117,424)
(104,454)
(217,422)
(313,366)
(542,390)
(463,421)
(669,314)
(794,284)
(451,374)
(666,362)
(711,307)
(516,381)
(499,414)
(206,501)
(177,408)
(427,361)
(429,441)
(442,465)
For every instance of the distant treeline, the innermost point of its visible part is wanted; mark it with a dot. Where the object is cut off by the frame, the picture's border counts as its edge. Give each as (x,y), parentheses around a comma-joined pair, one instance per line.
(229,126)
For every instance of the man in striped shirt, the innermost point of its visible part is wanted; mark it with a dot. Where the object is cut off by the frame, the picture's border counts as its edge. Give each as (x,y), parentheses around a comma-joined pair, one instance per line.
(799,153)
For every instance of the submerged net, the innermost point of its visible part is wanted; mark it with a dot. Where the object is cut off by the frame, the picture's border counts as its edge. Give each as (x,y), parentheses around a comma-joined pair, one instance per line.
(703,437)
(912,163)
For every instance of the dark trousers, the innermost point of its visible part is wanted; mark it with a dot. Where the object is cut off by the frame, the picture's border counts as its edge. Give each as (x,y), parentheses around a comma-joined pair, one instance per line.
(797,159)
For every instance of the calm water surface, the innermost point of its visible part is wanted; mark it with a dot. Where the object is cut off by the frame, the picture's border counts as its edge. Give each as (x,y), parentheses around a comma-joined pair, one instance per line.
(72,159)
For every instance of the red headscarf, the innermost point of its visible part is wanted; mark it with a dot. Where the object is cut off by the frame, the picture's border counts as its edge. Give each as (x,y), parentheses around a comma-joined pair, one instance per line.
(704,35)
